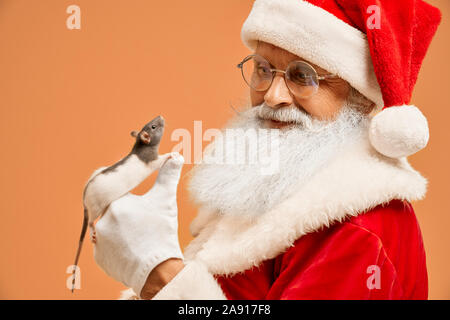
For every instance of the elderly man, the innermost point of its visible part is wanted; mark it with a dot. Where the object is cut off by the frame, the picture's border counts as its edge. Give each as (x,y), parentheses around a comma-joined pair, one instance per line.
(335,220)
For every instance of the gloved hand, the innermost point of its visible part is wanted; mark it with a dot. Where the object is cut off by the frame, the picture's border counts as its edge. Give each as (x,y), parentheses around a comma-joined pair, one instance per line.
(139,232)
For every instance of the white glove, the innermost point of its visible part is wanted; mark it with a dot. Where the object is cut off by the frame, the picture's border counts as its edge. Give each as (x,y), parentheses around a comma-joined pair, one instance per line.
(139,232)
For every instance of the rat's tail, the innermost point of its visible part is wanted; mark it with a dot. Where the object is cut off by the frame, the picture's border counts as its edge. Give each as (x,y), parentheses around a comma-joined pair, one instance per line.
(80,245)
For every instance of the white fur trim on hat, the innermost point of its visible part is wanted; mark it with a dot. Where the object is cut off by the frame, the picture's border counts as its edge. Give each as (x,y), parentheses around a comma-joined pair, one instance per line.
(316,35)
(399,131)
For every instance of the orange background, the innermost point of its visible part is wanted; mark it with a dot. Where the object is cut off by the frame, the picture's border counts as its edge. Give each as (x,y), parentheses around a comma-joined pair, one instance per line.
(69,99)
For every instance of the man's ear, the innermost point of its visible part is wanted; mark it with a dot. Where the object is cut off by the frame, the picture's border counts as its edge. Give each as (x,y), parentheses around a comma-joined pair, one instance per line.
(134,134)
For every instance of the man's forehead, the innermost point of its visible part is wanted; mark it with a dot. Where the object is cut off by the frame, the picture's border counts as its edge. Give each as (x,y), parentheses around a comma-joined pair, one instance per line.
(280,57)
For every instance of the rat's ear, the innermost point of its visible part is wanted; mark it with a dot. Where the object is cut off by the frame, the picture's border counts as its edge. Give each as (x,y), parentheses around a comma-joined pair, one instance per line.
(134,134)
(145,137)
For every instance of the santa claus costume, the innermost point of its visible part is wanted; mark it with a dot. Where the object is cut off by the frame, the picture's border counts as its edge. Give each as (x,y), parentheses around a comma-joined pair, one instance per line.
(350,232)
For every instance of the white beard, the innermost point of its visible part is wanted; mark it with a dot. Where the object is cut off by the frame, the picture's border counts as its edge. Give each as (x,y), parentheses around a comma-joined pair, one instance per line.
(304,148)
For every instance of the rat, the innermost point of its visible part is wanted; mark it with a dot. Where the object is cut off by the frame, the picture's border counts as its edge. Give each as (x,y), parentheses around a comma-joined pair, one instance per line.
(107,184)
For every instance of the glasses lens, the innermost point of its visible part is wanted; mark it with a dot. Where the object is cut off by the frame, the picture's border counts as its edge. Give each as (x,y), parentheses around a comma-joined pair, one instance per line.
(256,72)
(302,79)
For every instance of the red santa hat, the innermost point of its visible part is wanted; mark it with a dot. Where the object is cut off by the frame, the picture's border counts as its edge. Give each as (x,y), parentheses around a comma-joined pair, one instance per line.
(376,45)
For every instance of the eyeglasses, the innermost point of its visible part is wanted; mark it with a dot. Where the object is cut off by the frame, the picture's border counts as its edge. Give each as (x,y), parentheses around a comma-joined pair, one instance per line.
(300,77)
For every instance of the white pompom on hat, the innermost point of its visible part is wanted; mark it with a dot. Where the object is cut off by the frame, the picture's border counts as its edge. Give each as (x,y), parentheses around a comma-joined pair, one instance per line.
(381,60)
(399,131)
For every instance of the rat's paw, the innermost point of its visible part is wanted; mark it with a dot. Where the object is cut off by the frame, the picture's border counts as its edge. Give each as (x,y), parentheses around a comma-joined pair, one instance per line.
(174,162)
(164,157)
(175,159)
(172,166)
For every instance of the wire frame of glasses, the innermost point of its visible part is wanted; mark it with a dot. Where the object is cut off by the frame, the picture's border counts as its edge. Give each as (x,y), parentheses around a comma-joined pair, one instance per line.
(301,78)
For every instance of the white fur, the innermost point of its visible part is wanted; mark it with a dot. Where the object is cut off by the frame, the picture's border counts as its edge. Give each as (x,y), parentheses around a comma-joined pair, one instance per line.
(103,189)
(399,131)
(317,36)
(193,282)
(356,181)
(128,294)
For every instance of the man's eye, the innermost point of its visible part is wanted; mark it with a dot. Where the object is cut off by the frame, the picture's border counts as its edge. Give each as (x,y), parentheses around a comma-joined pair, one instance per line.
(300,77)
(263,71)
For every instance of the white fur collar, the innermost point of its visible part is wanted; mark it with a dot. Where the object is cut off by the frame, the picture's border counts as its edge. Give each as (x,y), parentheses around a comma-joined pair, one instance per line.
(357,180)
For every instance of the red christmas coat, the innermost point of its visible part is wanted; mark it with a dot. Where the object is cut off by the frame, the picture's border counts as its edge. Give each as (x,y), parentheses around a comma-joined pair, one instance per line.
(335,263)
(349,233)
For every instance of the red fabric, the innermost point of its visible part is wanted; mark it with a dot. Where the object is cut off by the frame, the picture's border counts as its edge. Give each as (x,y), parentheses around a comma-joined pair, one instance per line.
(398,46)
(333,263)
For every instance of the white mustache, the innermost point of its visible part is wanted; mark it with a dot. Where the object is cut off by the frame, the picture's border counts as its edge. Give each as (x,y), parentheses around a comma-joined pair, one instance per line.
(289,114)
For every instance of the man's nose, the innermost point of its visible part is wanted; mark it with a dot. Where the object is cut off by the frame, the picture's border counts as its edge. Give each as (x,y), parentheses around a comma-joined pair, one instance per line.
(278,94)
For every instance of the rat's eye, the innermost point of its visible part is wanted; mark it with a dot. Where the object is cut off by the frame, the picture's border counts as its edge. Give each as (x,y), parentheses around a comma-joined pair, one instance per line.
(153,127)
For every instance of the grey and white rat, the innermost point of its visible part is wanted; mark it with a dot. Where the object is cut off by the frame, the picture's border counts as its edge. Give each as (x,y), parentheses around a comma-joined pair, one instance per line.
(107,184)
